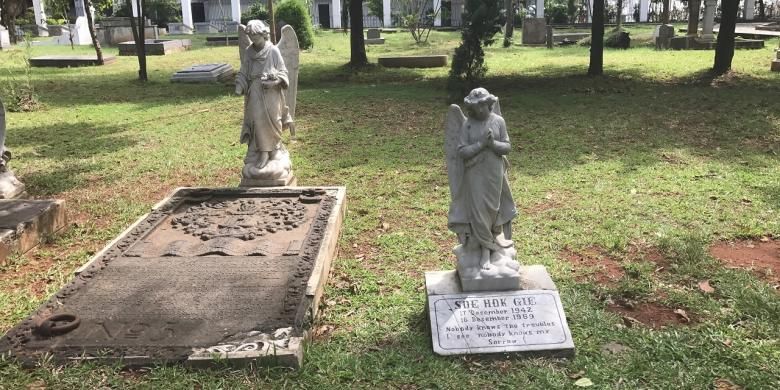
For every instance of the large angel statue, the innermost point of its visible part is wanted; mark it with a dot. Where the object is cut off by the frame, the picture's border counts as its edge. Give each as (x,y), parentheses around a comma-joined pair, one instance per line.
(482,207)
(269,89)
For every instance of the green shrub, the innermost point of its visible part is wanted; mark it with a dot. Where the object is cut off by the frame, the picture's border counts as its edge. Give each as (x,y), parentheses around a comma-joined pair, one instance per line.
(256,11)
(296,14)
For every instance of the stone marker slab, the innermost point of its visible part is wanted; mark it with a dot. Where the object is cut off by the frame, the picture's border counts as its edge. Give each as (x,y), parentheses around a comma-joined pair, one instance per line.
(534,31)
(24,223)
(62,61)
(228,274)
(156,47)
(222,41)
(530,321)
(432,61)
(204,73)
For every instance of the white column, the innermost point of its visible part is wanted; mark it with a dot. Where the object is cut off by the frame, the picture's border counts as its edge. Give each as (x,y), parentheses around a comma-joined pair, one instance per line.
(135,7)
(186,16)
(643,7)
(539,8)
(336,13)
(235,10)
(40,18)
(750,9)
(387,13)
(708,22)
(78,6)
(590,11)
(437,9)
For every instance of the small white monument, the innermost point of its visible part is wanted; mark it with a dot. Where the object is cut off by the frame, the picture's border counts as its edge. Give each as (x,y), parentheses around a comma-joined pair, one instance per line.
(491,304)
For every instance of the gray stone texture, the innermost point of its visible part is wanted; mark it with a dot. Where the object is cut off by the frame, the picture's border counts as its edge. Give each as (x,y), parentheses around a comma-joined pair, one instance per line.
(156,47)
(534,31)
(24,223)
(67,61)
(204,73)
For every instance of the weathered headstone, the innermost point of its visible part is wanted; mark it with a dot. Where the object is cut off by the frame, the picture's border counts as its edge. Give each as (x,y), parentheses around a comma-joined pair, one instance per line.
(491,303)
(69,61)
(5,39)
(156,47)
(210,276)
(776,61)
(663,35)
(534,31)
(373,37)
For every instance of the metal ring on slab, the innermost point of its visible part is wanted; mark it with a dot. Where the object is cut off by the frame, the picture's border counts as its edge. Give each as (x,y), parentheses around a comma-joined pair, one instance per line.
(49,327)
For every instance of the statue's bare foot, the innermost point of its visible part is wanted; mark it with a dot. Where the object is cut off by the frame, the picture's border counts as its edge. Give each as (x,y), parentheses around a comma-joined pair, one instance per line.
(484,262)
(263,159)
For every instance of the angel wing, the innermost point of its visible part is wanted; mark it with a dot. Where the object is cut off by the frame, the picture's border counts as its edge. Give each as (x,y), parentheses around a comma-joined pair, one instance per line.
(497,108)
(243,41)
(453,126)
(290,50)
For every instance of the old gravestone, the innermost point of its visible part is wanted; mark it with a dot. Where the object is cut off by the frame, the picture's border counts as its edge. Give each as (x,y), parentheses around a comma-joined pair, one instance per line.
(490,304)
(534,31)
(210,275)
(373,37)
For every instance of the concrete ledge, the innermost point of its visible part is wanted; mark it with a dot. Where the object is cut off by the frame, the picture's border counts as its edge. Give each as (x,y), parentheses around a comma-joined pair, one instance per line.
(375,41)
(24,223)
(68,61)
(222,41)
(434,61)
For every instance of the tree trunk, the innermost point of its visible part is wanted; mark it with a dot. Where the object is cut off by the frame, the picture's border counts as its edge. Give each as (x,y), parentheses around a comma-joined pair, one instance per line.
(510,22)
(356,42)
(724,50)
(665,12)
(140,40)
(597,40)
(619,13)
(92,34)
(694,7)
(272,21)
(761,14)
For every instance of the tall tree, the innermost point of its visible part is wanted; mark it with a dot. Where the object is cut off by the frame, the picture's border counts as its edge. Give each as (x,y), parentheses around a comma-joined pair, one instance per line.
(357,43)
(510,22)
(139,32)
(482,19)
(596,66)
(619,14)
(724,49)
(9,11)
(694,7)
(665,12)
(91,24)
(272,20)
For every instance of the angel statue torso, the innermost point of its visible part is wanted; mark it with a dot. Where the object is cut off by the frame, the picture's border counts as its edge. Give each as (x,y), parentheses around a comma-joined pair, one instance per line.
(482,207)
(264,81)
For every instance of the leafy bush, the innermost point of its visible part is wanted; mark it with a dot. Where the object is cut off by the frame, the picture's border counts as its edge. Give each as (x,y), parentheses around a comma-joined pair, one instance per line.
(296,14)
(557,13)
(482,19)
(256,11)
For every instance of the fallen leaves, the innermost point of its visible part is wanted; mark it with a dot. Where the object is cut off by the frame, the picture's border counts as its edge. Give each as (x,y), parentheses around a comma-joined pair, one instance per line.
(614,348)
(705,287)
(583,382)
(682,314)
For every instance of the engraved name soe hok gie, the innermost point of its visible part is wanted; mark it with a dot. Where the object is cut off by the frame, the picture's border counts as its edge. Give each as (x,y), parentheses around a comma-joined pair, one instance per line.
(491,321)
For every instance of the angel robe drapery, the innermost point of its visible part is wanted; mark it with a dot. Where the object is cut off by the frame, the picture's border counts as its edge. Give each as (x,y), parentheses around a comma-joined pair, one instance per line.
(265,110)
(484,204)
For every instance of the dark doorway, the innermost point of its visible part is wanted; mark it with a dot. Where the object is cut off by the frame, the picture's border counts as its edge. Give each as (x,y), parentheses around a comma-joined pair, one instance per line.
(198,13)
(323,10)
(446,13)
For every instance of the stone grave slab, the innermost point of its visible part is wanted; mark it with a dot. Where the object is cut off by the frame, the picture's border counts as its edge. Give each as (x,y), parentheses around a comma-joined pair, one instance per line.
(156,47)
(24,223)
(534,31)
(222,41)
(431,61)
(204,73)
(66,61)
(209,275)
(530,321)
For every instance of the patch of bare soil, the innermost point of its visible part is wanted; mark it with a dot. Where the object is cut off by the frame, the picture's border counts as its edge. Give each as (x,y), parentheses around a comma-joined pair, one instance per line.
(762,257)
(594,263)
(650,314)
(651,254)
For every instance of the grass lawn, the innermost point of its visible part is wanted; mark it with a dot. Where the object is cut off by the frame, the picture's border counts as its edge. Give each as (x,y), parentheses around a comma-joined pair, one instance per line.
(627,184)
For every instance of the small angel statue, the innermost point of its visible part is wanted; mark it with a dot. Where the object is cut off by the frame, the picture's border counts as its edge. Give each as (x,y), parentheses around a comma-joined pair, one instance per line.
(482,207)
(269,100)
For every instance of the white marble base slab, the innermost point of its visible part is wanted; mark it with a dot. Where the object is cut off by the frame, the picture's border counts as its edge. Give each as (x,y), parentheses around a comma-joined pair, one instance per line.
(530,321)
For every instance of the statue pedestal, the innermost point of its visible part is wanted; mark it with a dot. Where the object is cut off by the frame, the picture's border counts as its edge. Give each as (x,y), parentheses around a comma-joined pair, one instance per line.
(289,181)
(528,319)
(24,223)
(530,277)
(10,186)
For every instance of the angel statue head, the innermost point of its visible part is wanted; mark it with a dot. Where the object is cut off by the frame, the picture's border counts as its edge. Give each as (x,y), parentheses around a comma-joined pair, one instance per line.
(482,207)
(258,32)
(479,103)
